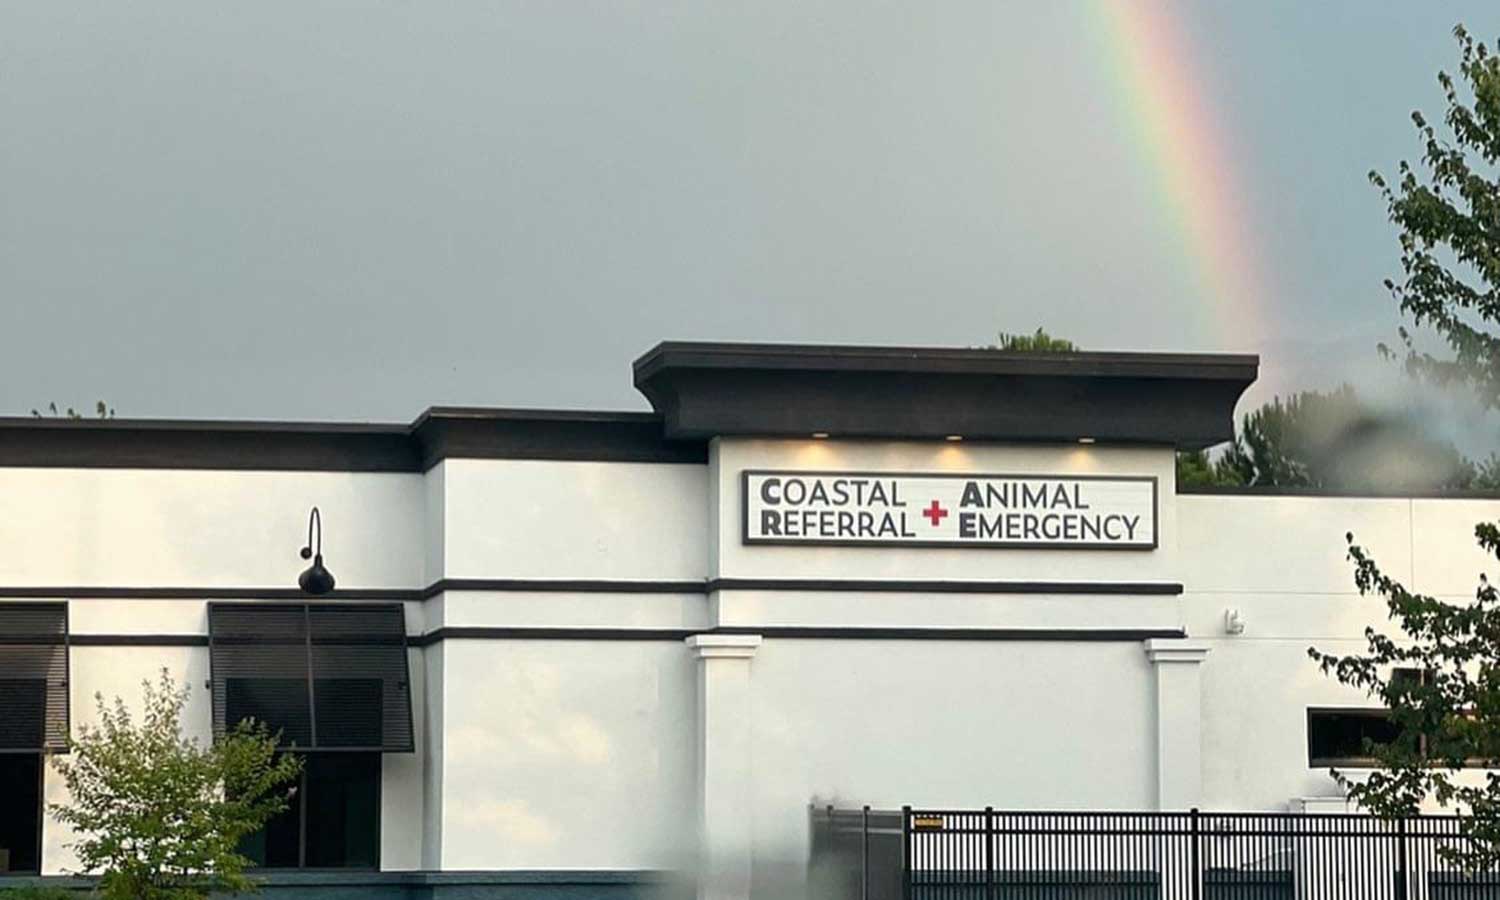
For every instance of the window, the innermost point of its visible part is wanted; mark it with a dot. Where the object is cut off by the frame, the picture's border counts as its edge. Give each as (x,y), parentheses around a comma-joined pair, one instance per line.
(332,821)
(1336,737)
(21,812)
(34,686)
(33,722)
(332,680)
(325,676)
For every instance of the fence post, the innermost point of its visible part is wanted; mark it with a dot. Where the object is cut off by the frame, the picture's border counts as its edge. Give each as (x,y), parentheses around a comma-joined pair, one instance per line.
(864,854)
(1402,876)
(989,853)
(1196,861)
(906,853)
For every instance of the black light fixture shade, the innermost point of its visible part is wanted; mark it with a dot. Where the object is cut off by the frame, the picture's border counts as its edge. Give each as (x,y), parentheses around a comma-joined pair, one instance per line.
(316,580)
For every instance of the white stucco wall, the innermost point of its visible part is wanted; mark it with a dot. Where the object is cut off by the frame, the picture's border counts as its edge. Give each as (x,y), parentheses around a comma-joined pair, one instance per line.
(1024,725)
(1281,562)
(155,528)
(566,755)
(559,520)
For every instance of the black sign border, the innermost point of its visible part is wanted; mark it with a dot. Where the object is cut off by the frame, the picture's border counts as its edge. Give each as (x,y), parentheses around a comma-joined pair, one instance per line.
(747,540)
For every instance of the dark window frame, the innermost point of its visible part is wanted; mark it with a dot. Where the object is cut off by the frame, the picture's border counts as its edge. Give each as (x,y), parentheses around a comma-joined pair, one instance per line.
(1347,762)
(53,739)
(300,800)
(41,819)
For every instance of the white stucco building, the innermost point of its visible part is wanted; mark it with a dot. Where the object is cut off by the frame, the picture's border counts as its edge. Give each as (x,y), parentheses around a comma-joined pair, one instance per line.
(636,642)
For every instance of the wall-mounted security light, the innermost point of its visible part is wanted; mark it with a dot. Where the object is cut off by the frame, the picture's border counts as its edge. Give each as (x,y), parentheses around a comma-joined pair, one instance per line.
(317,580)
(1085,440)
(819,435)
(954,437)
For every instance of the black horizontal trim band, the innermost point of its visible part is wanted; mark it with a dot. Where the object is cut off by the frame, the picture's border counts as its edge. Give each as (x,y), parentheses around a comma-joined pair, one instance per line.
(139,640)
(204,593)
(943,587)
(785,632)
(488,633)
(600,586)
(959,634)
(780,632)
(564,586)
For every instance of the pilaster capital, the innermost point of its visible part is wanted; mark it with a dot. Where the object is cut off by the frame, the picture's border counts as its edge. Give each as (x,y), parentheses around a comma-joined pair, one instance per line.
(1175,650)
(724,646)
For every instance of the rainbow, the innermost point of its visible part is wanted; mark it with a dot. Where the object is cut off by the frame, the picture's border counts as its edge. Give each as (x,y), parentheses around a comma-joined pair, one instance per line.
(1183,141)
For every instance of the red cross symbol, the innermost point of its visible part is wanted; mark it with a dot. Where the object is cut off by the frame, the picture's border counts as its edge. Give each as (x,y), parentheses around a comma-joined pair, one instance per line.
(935,513)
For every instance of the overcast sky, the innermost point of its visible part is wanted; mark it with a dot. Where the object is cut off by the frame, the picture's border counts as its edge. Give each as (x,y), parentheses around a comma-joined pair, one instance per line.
(315,210)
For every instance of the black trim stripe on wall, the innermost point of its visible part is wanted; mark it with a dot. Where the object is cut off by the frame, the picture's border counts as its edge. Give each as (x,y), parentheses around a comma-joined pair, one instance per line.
(564,586)
(600,586)
(786,632)
(775,632)
(85,592)
(944,587)
(140,640)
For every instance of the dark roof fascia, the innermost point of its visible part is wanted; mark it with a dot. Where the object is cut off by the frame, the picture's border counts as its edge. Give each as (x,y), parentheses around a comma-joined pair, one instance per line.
(929,360)
(465,433)
(439,433)
(704,390)
(186,444)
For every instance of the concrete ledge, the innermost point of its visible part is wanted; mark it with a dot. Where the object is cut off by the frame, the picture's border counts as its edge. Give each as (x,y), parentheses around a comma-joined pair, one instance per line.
(1176,650)
(724,646)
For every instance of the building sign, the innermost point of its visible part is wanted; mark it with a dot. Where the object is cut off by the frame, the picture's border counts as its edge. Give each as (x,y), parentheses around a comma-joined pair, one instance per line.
(1039,511)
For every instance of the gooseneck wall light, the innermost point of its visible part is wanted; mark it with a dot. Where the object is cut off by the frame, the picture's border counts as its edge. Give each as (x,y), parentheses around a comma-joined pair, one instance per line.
(317,580)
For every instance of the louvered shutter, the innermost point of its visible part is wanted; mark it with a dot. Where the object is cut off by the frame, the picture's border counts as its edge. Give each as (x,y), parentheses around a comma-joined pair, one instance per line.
(326,676)
(359,672)
(33,677)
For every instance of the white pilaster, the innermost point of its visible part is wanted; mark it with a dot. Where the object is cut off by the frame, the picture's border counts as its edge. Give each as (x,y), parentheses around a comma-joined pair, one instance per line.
(725,788)
(1179,720)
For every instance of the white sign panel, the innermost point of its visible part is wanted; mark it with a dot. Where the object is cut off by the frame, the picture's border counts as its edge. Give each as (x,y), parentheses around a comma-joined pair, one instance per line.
(876,508)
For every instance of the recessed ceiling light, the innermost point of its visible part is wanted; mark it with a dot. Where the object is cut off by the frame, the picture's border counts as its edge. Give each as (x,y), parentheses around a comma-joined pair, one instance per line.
(1085,440)
(954,437)
(819,435)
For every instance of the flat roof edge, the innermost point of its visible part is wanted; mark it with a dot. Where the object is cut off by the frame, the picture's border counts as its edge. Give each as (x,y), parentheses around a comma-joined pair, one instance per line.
(704,390)
(976,360)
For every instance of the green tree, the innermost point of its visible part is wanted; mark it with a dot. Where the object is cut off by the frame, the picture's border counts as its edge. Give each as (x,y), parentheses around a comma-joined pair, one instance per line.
(160,817)
(1446,716)
(1448,214)
(1448,217)
(1195,468)
(1331,440)
(1040,342)
(1334,440)
(1487,474)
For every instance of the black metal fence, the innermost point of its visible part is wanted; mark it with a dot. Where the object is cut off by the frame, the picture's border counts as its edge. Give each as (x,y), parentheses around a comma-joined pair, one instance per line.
(989,855)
